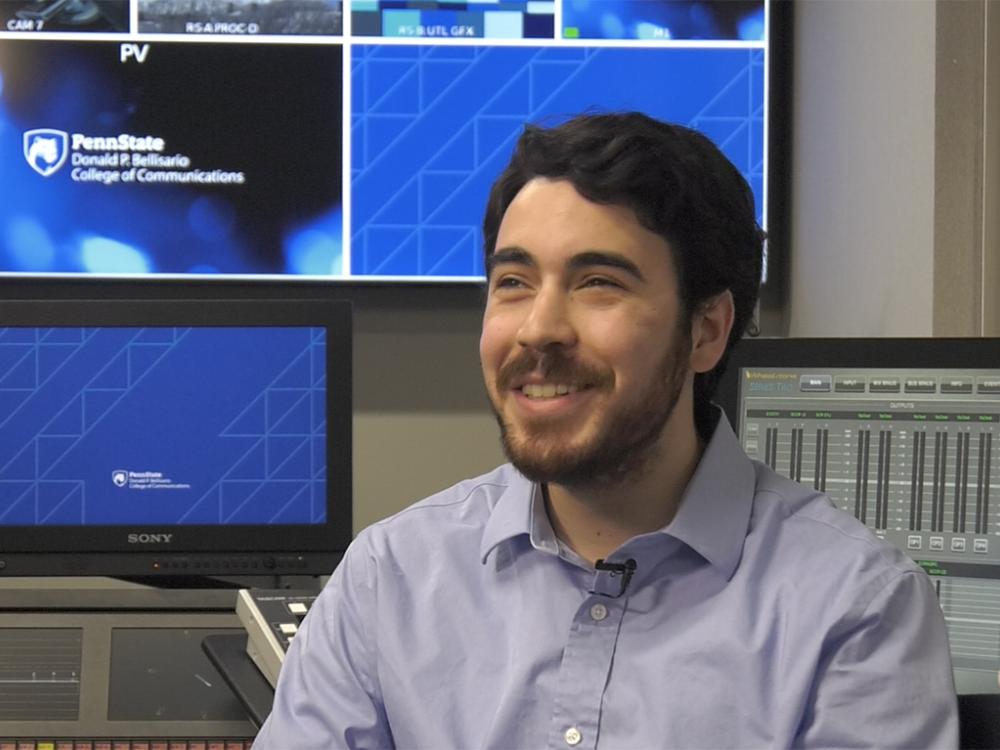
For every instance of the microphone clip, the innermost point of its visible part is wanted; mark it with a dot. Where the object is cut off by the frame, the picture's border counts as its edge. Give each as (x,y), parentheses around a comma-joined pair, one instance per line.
(625,570)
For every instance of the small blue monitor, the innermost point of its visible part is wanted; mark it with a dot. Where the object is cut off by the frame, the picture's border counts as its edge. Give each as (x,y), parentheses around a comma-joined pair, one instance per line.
(148,437)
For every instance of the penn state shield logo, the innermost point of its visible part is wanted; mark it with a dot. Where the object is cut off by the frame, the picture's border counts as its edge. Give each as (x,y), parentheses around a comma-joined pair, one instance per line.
(45,149)
(119,477)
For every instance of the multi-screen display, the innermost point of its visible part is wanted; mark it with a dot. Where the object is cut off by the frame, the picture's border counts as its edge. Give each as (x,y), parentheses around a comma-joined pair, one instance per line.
(320,139)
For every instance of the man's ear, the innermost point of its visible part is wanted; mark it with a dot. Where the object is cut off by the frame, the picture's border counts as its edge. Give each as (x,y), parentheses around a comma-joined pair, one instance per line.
(710,327)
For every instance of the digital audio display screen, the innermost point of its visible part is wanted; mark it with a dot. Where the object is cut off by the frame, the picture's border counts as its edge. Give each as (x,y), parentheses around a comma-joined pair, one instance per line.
(898,433)
(328,140)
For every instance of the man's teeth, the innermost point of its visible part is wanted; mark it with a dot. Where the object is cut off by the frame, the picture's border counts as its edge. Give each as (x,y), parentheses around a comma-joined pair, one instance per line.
(549,390)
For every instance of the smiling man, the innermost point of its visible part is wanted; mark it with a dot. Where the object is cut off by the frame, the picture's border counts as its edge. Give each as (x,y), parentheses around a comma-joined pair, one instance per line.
(631,579)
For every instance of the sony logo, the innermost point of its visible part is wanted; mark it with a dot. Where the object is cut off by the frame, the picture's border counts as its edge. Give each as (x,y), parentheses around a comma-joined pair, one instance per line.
(150,538)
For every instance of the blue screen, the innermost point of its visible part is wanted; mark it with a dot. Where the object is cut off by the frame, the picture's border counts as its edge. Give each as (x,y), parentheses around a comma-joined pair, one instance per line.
(197,425)
(419,190)
(329,140)
(224,168)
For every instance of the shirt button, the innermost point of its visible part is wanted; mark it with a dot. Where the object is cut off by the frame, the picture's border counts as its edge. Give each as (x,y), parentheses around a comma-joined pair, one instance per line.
(573,736)
(598,612)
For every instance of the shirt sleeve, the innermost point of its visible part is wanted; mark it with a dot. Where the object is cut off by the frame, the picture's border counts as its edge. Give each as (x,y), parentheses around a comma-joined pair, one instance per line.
(886,680)
(327,694)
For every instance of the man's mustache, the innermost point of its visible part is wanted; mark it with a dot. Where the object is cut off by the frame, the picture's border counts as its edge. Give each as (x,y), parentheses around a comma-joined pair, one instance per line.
(554,367)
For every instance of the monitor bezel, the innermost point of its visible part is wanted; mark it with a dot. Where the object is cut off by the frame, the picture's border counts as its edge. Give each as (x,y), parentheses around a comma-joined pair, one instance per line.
(887,352)
(300,549)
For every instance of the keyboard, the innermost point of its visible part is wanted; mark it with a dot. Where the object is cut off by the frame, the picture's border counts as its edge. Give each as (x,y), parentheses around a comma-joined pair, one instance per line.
(271,618)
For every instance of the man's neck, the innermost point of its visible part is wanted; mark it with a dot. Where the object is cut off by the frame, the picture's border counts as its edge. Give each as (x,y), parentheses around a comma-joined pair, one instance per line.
(595,520)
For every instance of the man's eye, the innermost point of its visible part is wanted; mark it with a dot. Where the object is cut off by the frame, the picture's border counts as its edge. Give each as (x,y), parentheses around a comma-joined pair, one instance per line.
(599,281)
(508,282)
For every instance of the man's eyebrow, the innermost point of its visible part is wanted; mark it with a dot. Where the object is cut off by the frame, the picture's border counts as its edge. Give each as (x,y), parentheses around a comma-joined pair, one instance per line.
(605,258)
(516,255)
(587,259)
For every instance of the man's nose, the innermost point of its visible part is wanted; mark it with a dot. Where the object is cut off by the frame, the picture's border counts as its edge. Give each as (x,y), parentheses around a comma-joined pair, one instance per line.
(548,323)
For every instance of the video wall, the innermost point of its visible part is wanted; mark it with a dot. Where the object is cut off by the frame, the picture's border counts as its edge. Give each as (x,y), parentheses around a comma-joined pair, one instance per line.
(352,140)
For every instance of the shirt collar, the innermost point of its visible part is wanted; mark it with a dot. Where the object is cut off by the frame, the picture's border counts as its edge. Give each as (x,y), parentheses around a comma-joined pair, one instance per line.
(514,514)
(712,518)
(714,513)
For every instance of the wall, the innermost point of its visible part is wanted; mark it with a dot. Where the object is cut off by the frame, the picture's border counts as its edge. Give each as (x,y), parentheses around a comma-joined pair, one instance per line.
(863,169)
(967,169)
(896,169)
(421,418)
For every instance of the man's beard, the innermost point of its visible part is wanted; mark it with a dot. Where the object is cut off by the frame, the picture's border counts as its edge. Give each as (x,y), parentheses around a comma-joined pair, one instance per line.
(625,444)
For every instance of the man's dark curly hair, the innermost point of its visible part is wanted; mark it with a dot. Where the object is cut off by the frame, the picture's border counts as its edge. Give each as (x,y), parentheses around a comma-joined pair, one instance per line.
(678,184)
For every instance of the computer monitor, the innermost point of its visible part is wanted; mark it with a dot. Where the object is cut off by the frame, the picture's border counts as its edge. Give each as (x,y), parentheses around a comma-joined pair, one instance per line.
(899,433)
(356,142)
(174,438)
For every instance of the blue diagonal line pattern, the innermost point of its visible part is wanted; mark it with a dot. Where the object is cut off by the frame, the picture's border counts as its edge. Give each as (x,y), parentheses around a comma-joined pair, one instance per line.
(44,461)
(418,180)
(69,411)
(276,414)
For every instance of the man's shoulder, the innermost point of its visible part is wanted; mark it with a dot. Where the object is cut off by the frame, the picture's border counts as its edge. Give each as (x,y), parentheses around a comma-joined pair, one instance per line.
(807,521)
(463,508)
(470,500)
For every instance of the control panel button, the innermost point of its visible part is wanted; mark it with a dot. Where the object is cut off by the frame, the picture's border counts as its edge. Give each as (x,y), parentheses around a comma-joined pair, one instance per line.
(815,383)
(884,385)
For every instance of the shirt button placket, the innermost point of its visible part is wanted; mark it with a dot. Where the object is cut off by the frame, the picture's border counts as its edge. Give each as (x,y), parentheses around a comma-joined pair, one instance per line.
(583,675)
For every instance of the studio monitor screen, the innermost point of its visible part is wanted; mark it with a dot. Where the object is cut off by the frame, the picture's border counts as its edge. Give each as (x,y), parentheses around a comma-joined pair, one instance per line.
(329,140)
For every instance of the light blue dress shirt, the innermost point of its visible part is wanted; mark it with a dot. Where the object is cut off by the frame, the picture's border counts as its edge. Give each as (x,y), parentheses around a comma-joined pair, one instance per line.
(761,617)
